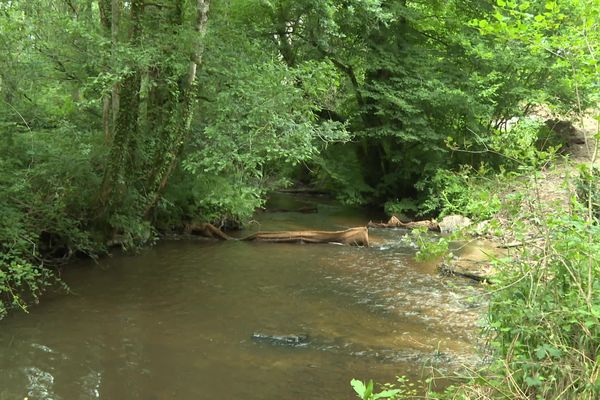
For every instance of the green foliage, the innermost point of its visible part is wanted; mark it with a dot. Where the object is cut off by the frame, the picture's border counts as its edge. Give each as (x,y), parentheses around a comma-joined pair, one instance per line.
(543,321)
(339,170)
(429,246)
(257,124)
(20,282)
(529,144)
(546,324)
(562,31)
(401,206)
(223,200)
(475,85)
(467,192)
(365,391)
(47,182)
(523,148)
(588,189)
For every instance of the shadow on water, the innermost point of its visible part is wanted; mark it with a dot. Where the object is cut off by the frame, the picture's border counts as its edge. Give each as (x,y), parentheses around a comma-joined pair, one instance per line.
(177,321)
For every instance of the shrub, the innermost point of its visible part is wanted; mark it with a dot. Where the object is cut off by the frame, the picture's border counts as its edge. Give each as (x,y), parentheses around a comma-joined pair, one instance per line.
(47,183)
(546,322)
(465,193)
(588,189)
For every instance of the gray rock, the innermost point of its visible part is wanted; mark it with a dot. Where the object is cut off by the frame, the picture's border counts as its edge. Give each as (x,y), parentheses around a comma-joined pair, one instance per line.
(281,340)
(453,223)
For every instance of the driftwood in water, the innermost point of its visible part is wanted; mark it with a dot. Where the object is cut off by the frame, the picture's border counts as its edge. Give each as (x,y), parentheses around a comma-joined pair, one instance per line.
(396,223)
(465,273)
(206,230)
(353,236)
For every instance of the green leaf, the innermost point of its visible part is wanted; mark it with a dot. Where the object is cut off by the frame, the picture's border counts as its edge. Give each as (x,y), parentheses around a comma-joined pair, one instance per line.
(540,353)
(533,381)
(524,6)
(369,390)
(386,394)
(553,351)
(359,387)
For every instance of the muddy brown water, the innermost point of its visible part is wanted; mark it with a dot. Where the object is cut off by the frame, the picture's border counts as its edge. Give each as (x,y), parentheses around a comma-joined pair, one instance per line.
(176,321)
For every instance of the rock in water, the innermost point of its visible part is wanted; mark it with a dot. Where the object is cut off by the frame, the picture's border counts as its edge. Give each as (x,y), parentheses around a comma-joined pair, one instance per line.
(453,223)
(281,340)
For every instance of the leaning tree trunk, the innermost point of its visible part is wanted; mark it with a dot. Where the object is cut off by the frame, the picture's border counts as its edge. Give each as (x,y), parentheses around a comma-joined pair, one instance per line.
(118,168)
(177,129)
(110,16)
(121,162)
(114,40)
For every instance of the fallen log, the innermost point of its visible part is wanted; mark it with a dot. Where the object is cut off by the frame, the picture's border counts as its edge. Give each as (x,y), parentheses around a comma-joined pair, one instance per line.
(394,222)
(206,230)
(455,270)
(353,236)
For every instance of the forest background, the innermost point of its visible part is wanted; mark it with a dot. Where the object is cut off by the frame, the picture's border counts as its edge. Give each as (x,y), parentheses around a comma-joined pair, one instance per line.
(121,120)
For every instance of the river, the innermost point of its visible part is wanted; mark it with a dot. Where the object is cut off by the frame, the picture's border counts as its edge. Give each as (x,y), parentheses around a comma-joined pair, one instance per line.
(176,321)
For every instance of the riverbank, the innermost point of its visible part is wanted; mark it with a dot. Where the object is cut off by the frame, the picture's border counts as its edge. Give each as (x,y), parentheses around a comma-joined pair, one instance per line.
(543,321)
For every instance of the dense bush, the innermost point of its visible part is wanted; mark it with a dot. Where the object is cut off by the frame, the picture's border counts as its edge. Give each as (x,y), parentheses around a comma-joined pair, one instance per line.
(471,193)
(47,182)
(546,323)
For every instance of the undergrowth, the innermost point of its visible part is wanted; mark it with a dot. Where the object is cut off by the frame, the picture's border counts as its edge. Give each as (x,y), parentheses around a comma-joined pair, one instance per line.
(543,321)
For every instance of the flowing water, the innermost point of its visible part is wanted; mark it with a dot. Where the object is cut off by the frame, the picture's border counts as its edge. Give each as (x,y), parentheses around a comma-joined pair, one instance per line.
(176,321)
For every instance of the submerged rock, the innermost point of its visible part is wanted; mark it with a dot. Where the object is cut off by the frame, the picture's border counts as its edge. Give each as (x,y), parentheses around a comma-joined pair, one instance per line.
(281,340)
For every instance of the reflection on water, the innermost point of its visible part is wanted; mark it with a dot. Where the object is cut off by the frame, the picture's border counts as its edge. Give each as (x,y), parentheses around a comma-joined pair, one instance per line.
(176,321)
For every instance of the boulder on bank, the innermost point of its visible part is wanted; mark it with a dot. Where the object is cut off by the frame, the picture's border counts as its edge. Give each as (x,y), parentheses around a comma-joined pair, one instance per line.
(448,224)
(453,223)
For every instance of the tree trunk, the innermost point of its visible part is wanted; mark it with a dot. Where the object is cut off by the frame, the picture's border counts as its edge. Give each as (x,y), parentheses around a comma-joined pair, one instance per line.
(353,237)
(114,40)
(106,118)
(121,160)
(110,15)
(121,156)
(177,129)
